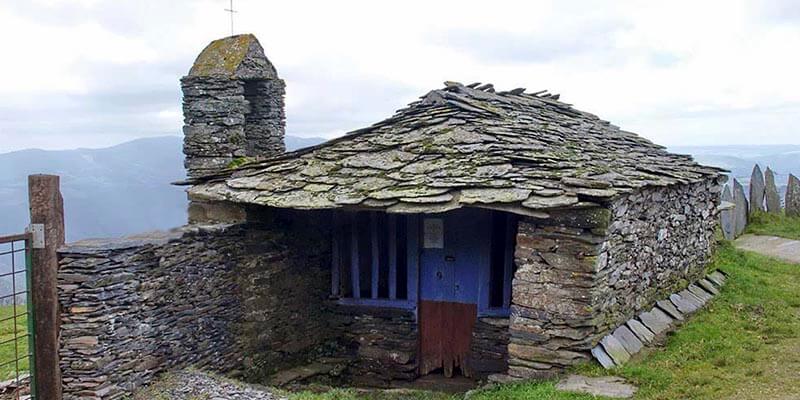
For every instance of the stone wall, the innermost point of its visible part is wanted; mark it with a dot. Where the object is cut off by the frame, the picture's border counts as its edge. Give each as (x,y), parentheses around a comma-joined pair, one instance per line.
(382,342)
(552,321)
(582,273)
(242,297)
(284,277)
(489,347)
(134,307)
(659,241)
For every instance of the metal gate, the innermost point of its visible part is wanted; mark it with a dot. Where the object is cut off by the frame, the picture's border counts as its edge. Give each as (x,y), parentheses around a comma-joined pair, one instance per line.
(16,318)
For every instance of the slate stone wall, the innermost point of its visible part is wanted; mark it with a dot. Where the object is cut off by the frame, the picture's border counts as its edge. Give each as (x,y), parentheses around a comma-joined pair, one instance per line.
(553,323)
(489,347)
(659,241)
(135,307)
(583,273)
(226,119)
(284,277)
(247,298)
(382,342)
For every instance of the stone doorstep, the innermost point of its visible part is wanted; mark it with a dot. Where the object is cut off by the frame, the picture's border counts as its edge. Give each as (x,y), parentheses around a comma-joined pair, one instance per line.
(617,348)
(606,386)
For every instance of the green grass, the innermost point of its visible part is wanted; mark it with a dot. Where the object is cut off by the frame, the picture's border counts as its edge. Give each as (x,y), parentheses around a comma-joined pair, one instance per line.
(762,223)
(744,345)
(8,351)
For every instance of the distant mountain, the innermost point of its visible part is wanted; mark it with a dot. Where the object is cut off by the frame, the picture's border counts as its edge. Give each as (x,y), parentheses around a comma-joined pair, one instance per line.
(107,192)
(739,159)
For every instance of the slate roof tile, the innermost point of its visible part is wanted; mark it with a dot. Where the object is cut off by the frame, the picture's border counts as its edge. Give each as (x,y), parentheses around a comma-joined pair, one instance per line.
(462,146)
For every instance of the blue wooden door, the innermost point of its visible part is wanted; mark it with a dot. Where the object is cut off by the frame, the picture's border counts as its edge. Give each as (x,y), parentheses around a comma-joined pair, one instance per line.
(455,250)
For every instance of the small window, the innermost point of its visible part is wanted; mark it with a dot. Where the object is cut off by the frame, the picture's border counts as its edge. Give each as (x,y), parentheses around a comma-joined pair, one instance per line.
(369,256)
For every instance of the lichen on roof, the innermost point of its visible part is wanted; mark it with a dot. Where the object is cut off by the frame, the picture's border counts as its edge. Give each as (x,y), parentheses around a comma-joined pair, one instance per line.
(463,146)
(225,58)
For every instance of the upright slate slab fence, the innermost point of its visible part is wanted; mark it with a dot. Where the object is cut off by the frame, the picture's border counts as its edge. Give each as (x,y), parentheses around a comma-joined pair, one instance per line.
(764,196)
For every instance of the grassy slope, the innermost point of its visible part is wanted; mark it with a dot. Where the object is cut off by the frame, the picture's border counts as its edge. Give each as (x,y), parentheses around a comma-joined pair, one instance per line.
(745,345)
(774,224)
(7,351)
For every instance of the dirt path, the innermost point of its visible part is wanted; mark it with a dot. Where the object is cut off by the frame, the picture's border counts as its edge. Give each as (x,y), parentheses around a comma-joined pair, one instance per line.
(780,248)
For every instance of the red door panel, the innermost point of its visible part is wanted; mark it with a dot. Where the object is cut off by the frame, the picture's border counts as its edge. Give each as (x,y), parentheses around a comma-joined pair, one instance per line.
(445,335)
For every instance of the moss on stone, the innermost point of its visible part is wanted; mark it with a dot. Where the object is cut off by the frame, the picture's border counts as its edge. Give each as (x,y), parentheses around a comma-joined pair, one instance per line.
(238,162)
(222,56)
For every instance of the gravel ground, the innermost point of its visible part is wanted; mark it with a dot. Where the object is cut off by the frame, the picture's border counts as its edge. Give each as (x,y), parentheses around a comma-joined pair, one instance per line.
(784,249)
(197,385)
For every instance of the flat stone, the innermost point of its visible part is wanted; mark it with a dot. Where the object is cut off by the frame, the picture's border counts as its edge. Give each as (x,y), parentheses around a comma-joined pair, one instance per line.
(700,298)
(615,350)
(717,278)
(741,211)
(708,286)
(702,294)
(792,203)
(727,217)
(641,331)
(669,308)
(605,386)
(683,305)
(757,189)
(549,202)
(771,195)
(602,357)
(656,320)
(628,339)
(488,195)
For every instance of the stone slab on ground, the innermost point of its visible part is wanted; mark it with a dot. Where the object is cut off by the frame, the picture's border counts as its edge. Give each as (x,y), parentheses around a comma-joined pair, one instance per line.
(783,249)
(615,349)
(641,331)
(602,357)
(702,294)
(717,278)
(191,384)
(686,302)
(608,386)
(669,308)
(708,286)
(628,339)
(656,320)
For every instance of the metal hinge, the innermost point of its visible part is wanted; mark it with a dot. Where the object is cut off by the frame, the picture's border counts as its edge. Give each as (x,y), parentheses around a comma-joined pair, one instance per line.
(37,234)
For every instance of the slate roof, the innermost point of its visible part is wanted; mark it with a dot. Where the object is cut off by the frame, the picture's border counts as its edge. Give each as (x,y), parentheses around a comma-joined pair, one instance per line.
(462,146)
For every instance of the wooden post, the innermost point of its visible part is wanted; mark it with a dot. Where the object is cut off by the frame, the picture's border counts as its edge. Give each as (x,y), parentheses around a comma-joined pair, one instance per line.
(392,256)
(354,261)
(47,208)
(373,234)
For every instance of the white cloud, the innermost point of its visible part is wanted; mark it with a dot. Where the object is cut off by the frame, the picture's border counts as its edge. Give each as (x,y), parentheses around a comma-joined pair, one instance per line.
(676,72)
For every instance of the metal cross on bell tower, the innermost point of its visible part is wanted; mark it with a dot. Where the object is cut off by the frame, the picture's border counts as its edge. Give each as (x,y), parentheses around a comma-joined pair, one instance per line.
(232,11)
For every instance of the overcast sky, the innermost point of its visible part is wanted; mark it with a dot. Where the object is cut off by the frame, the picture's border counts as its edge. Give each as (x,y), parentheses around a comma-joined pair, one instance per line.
(94,73)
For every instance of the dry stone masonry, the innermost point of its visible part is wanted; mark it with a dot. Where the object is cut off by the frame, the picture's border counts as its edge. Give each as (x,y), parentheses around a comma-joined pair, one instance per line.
(232,106)
(610,225)
(226,298)
(583,273)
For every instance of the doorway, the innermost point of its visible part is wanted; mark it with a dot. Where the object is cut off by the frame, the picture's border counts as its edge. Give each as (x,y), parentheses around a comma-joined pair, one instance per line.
(455,249)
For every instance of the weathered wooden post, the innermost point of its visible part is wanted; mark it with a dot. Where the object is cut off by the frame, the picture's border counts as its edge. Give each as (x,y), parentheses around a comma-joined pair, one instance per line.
(47,209)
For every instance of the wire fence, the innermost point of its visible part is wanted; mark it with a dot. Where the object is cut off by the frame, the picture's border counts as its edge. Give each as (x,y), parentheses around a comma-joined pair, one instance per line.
(16,319)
